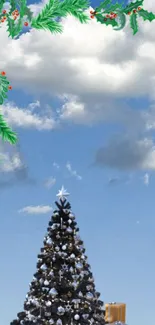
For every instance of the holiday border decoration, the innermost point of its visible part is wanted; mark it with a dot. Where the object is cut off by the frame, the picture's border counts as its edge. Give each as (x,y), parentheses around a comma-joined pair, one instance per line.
(20,15)
(115,14)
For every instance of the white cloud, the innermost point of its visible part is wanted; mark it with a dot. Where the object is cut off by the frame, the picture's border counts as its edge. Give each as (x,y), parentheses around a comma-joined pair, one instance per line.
(10,163)
(50,182)
(26,118)
(146,179)
(56,165)
(73,172)
(127,154)
(40,209)
(113,64)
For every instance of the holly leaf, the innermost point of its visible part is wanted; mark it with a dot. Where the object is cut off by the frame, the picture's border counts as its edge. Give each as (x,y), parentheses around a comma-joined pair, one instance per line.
(146,15)
(133,23)
(114,7)
(133,5)
(106,21)
(103,5)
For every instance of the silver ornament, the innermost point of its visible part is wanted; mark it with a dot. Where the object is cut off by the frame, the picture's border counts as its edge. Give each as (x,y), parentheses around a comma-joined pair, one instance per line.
(59,322)
(69,230)
(64,247)
(64,266)
(76,317)
(48,303)
(49,241)
(89,295)
(79,265)
(80,294)
(72,255)
(51,321)
(46,283)
(71,215)
(61,310)
(53,292)
(43,267)
(70,221)
(57,248)
(85,316)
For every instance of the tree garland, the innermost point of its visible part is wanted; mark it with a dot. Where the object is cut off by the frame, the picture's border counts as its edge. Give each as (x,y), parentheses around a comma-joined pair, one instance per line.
(20,15)
(115,14)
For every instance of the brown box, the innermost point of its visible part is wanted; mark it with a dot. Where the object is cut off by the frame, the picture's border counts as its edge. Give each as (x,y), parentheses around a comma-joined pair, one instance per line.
(115,312)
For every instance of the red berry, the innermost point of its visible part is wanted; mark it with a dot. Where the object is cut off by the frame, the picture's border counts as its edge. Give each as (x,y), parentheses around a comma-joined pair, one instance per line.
(107,16)
(134,11)
(3,73)
(92,16)
(2,20)
(91,11)
(4,17)
(129,13)
(139,8)
(4,11)
(26,23)
(10,87)
(115,15)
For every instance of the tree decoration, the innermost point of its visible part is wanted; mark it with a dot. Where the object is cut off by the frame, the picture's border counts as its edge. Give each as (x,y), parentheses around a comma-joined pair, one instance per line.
(5,131)
(115,14)
(19,15)
(63,291)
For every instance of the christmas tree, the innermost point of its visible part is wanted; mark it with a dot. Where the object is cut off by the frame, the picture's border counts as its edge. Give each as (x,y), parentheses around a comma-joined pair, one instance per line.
(62,291)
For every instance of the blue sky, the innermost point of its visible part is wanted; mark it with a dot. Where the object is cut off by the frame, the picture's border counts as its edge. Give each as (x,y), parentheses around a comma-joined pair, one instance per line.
(113,198)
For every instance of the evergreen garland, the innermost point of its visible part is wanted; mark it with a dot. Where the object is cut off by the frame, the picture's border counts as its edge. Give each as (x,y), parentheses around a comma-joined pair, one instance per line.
(115,14)
(48,19)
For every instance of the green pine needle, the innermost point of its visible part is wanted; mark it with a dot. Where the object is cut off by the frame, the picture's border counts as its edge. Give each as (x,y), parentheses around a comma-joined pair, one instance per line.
(6,133)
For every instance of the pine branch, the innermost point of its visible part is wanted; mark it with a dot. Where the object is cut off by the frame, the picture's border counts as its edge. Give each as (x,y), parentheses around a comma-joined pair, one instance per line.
(6,133)
(55,9)
(1,4)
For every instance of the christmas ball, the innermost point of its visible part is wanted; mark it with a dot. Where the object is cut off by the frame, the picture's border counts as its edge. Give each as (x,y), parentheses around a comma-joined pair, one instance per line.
(48,303)
(57,248)
(79,266)
(69,230)
(85,316)
(51,321)
(53,292)
(76,317)
(61,310)
(89,295)
(71,215)
(72,255)
(70,221)
(64,247)
(49,241)
(46,283)
(43,267)
(59,322)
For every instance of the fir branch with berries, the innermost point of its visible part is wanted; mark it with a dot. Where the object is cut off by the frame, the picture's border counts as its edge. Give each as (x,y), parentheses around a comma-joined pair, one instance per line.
(115,14)
(6,132)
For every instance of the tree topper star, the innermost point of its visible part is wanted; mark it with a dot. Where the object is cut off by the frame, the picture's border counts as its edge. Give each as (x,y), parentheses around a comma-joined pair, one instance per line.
(62,194)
